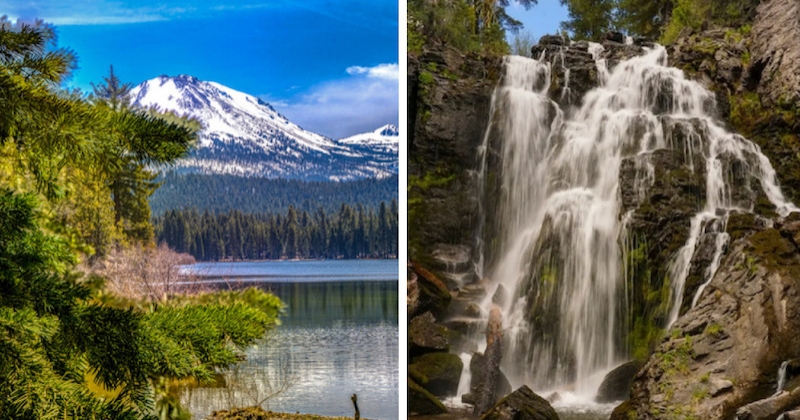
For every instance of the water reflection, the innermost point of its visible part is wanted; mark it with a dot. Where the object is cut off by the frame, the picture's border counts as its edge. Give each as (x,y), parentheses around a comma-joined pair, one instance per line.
(336,339)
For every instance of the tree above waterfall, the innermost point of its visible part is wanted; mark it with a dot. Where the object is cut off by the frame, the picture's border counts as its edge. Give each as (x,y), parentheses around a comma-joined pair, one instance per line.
(467,25)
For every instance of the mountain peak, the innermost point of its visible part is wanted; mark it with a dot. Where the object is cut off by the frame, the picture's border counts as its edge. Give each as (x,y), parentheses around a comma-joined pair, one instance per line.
(244,135)
(387,135)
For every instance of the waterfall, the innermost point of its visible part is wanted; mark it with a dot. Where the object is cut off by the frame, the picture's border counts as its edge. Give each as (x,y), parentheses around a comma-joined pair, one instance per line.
(550,183)
(782,377)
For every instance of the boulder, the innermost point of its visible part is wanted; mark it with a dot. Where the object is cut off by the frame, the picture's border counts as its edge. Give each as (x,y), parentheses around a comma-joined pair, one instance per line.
(623,412)
(616,385)
(770,408)
(476,367)
(438,373)
(792,415)
(485,389)
(431,295)
(500,296)
(426,336)
(421,401)
(522,404)
(473,310)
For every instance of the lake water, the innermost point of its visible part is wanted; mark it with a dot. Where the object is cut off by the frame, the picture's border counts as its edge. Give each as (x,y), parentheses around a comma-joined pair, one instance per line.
(338,337)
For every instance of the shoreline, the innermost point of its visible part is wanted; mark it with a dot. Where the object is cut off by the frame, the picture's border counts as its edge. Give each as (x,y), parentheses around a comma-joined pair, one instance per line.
(258,413)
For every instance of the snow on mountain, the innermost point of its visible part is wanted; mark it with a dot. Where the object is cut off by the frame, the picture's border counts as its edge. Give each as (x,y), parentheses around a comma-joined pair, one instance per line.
(243,135)
(386,136)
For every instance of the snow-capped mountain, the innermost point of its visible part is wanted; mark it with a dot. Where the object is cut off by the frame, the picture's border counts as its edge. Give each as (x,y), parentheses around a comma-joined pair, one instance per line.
(243,135)
(386,136)
(383,144)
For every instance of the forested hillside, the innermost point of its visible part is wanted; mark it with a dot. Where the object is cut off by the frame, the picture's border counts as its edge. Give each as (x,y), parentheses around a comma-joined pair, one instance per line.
(222,193)
(350,232)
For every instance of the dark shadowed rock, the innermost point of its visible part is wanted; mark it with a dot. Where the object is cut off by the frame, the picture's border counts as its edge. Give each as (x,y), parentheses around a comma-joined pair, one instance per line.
(421,401)
(426,336)
(616,385)
(438,373)
(615,36)
(522,404)
(449,96)
(432,294)
(476,367)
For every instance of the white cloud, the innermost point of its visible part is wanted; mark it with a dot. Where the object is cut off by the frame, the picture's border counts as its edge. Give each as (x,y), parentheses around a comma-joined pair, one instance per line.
(102,20)
(381,71)
(357,104)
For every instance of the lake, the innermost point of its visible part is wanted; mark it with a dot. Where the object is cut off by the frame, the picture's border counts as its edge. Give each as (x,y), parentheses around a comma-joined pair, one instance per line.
(338,337)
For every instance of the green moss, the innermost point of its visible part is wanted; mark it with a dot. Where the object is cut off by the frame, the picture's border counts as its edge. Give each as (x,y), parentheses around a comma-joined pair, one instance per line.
(739,225)
(434,365)
(426,79)
(450,75)
(747,112)
(713,329)
(771,250)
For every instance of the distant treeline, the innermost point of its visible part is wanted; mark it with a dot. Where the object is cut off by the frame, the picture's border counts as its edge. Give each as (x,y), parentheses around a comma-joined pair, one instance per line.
(223,193)
(350,232)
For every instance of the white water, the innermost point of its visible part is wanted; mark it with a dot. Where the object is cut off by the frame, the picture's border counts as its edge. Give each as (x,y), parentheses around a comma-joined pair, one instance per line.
(782,377)
(561,229)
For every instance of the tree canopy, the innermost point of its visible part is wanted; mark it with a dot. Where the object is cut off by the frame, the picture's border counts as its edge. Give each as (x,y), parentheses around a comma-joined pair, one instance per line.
(73,182)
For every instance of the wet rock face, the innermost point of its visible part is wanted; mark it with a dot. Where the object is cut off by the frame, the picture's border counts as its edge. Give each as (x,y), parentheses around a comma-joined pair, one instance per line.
(745,324)
(449,96)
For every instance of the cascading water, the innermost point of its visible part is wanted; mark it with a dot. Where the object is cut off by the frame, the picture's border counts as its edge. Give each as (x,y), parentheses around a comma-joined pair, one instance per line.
(782,377)
(553,179)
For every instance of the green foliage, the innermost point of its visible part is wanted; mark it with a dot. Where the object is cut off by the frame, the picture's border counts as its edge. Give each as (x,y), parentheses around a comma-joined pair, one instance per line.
(53,335)
(65,164)
(695,13)
(84,156)
(589,19)
(471,26)
(644,17)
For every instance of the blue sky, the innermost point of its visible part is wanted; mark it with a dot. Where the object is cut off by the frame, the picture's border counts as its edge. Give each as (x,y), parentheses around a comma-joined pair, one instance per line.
(542,19)
(330,66)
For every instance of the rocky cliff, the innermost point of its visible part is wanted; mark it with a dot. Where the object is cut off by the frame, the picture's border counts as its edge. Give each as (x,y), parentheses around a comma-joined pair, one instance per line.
(722,356)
